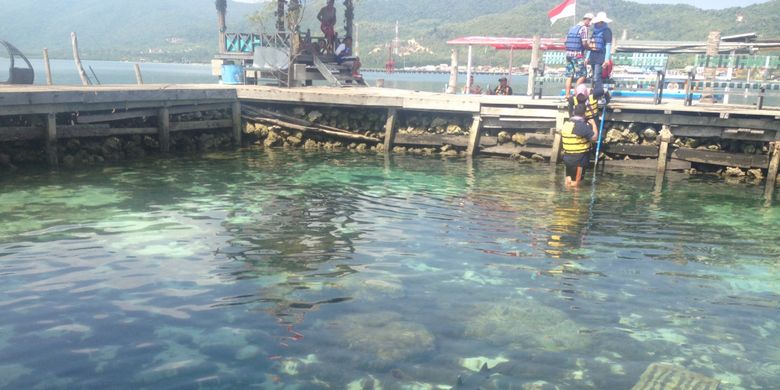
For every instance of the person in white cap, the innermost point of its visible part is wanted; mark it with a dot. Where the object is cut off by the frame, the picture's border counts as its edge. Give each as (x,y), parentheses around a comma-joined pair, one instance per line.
(576,46)
(600,51)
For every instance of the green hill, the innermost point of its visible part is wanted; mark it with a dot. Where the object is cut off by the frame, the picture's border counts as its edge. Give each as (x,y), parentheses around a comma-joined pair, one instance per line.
(185,30)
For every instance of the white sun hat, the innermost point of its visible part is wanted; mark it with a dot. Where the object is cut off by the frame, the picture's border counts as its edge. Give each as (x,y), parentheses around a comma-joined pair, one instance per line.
(601,17)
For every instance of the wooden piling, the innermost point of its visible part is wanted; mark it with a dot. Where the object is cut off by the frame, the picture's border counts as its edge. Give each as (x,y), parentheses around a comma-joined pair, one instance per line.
(51,139)
(663,152)
(139,78)
(237,125)
(475,134)
(555,155)
(534,64)
(452,86)
(79,67)
(390,129)
(47,67)
(164,129)
(771,178)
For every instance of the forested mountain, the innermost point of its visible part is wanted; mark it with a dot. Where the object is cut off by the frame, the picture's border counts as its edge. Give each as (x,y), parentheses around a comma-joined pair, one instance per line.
(185,30)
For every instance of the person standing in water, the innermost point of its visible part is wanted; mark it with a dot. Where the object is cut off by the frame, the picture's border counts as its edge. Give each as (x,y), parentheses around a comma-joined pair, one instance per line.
(577,135)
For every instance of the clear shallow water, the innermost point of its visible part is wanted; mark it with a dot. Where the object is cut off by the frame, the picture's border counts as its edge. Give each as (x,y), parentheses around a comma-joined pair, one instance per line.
(294,270)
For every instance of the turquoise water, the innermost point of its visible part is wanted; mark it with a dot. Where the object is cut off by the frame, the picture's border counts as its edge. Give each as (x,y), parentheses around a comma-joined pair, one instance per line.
(297,270)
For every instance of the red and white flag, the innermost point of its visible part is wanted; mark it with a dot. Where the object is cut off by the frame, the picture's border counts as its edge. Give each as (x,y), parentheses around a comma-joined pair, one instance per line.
(563,10)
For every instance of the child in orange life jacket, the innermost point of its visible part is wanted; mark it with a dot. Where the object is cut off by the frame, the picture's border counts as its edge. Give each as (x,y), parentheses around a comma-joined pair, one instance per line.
(577,135)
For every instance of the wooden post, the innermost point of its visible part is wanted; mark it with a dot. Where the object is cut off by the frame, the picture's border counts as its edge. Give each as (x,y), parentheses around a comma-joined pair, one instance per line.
(771,177)
(139,78)
(713,46)
(237,128)
(51,139)
(221,24)
(47,67)
(468,71)
(475,133)
(534,64)
(663,153)
(79,67)
(557,137)
(164,129)
(452,86)
(390,129)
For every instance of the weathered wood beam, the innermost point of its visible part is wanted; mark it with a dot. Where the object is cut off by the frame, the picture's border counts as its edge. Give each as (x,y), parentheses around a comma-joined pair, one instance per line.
(530,113)
(698,120)
(139,78)
(20,133)
(663,154)
(51,139)
(517,123)
(164,129)
(237,125)
(122,105)
(632,150)
(202,125)
(391,128)
(80,131)
(173,110)
(555,150)
(771,178)
(511,148)
(722,158)
(474,134)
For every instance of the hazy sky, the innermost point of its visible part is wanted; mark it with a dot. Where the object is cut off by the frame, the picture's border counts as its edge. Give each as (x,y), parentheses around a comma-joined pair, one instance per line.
(706,4)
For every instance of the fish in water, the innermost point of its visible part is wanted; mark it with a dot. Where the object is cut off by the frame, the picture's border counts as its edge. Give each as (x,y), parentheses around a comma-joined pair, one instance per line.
(475,381)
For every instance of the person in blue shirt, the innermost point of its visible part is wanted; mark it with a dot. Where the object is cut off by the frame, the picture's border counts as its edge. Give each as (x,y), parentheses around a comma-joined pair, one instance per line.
(344,56)
(600,52)
(577,136)
(576,46)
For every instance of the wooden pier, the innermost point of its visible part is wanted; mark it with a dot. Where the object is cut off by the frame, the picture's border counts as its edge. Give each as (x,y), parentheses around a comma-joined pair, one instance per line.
(62,112)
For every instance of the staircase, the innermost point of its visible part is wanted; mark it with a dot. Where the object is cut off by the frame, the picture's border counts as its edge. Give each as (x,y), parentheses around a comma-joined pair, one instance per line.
(337,75)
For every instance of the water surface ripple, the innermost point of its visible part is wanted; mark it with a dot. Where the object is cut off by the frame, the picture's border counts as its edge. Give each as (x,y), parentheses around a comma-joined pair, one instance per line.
(297,270)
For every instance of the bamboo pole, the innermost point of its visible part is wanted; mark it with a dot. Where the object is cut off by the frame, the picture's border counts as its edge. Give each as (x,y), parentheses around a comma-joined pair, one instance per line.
(79,67)
(139,78)
(47,67)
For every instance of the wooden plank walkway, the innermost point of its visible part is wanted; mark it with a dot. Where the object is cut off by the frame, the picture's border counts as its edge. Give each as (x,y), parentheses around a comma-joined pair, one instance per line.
(107,103)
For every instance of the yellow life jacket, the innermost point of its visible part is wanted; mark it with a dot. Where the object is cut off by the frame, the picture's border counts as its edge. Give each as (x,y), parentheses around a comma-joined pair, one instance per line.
(591,108)
(572,143)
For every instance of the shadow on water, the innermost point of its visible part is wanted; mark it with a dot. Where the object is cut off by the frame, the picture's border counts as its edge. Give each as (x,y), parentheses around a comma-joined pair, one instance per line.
(329,270)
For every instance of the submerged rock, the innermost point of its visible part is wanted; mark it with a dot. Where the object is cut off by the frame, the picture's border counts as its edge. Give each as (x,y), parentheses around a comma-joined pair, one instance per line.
(503,137)
(272,140)
(733,172)
(525,324)
(757,174)
(519,138)
(385,335)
